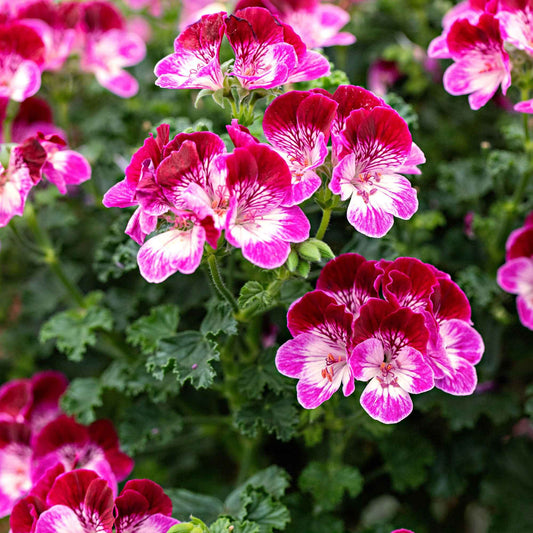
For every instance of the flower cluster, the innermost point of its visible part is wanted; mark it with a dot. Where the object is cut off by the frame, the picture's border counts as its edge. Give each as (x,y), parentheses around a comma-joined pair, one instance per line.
(516,275)
(402,326)
(38,442)
(195,189)
(38,35)
(267,53)
(477,36)
(80,500)
(40,152)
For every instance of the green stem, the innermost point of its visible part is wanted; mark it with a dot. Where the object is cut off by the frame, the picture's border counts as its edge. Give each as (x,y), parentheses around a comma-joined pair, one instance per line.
(219,284)
(50,257)
(324,223)
(11,113)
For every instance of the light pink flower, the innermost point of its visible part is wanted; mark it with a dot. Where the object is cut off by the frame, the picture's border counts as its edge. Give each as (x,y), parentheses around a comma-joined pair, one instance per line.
(22,55)
(374,146)
(154,6)
(195,62)
(481,63)
(298,124)
(259,181)
(318,354)
(516,23)
(389,354)
(193,10)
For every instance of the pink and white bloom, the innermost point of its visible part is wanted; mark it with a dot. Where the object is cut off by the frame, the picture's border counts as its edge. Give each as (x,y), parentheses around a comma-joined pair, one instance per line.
(318,355)
(481,63)
(195,63)
(297,124)
(516,23)
(373,147)
(389,354)
(259,182)
(94,447)
(516,275)
(22,54)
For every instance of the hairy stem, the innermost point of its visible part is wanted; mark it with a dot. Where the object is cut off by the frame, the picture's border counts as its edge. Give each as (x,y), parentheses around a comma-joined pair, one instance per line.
(219,284)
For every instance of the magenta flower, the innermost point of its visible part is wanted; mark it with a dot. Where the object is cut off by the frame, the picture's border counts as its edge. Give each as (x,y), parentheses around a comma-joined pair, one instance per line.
(259,182)
(373,147)
(95,447)
(298,124)
(481,63)
(516,275)
(516,23)
(318,355)
(195,62)
(382,75)
(22,55)
(15,464)
(389,353)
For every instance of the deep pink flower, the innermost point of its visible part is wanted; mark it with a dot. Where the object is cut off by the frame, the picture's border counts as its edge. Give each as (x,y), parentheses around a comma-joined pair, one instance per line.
(298,124)
(15,463)
(22,55)
(317,23)
(350,279)
(143,507)
(382,75)
(23,172)
(74,445)
(195,63)
(516,275)
(259,181)
(481,63)
(45,18)
(78,502)
(318,355)
(374,146)
(389,353)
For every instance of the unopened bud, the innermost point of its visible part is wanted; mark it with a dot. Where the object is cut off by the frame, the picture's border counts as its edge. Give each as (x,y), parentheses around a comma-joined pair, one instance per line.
(292,261)
(323,248)
(309,251)
(304,268)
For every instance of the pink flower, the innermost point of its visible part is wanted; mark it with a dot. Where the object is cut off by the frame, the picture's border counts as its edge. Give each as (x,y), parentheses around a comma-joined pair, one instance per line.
(373,147)
(389,353)
(22,55)
(317,23)
(195,62)
(298,124)
(154,6)
(481,63)
(318,355)
(106,47)
(382,75)
(259,181)
(24,170)
(15,463)
(74,445)
(516,275)
(516,23)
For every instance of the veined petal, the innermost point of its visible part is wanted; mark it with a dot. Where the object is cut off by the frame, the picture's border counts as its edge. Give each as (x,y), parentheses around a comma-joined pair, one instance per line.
(462,382)
(387,404)
(412,373)
(368,218)
(170,252)
(366,358)
(61,519)
(462,341)
(122,194)
(311,66)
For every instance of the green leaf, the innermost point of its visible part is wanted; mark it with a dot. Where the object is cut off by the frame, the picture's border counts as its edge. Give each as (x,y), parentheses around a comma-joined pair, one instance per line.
(148,330)
(254,298)
(224,525)
(81,398)
(328,482)
(263,373)
(293,289)
(188,355)
(219,319)
(407,459)
(261,508)
(186,503)
(275,414)
(75,329)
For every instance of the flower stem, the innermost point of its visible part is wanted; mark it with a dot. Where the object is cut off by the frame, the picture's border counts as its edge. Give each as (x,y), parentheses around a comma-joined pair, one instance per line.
(11,113)
(219,284)
(324,223)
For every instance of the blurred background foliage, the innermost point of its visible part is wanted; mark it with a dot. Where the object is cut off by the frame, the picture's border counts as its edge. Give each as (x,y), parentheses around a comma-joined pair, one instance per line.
(456,464)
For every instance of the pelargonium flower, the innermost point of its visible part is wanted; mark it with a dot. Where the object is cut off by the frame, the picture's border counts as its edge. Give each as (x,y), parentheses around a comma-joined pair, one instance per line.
(317,23)
(390,344)
(297,124)
(374,146)
(94,447)
(318,355)
(195,63)
(22,55)
(516,275)
(154,6)
(259,181)
(481,63)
